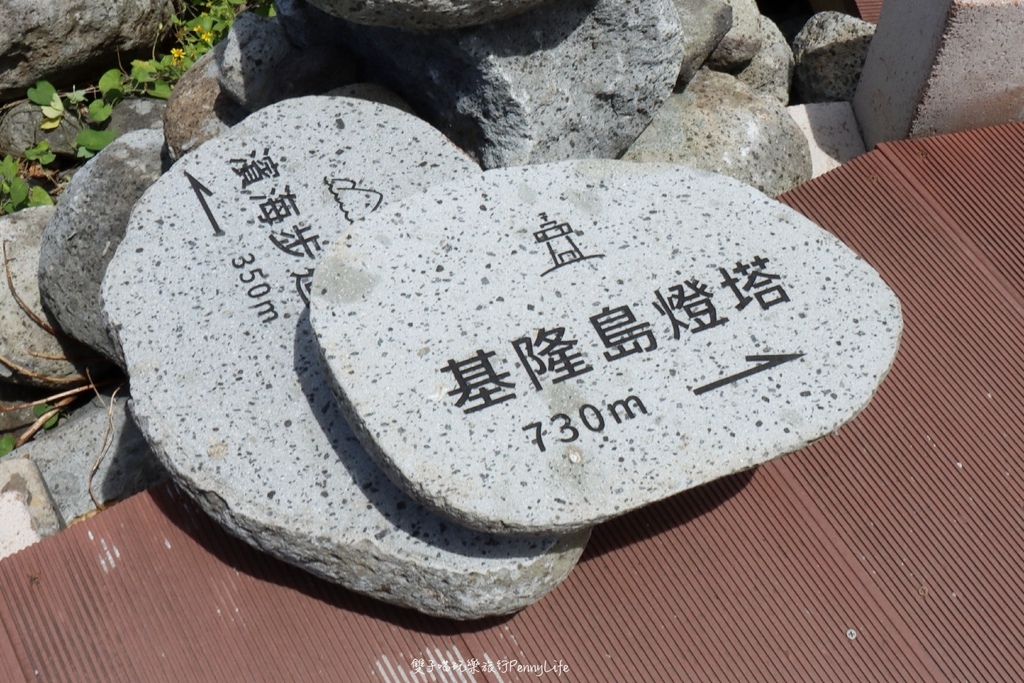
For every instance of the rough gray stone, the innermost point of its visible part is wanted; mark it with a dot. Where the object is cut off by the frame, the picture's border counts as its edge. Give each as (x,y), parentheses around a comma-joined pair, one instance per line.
(260,66)
(30,354)
(705,23)
(770,72)
(536,325)
(19,130)
(67,453)
(198,109)
(418,15)
(576,79)
(830,51)
(86,227)
(62,40)
(252,51)
(226,378)
(137,113)
(720,124)
(743,40)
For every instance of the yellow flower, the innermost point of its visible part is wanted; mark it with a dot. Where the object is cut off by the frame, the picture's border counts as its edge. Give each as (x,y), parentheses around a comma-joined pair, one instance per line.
(177,54)
(208,37)
(197,28)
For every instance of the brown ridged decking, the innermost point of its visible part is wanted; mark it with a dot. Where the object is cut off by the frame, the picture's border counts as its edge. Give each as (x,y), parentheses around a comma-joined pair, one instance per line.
(869,10)
(891,551)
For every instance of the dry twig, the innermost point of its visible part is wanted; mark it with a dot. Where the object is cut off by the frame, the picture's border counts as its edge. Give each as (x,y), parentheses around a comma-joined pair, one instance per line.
(14,292)
(42,420)
(108,437)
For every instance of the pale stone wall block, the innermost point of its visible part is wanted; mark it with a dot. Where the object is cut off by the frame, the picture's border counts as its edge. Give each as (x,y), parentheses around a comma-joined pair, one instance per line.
(940,67)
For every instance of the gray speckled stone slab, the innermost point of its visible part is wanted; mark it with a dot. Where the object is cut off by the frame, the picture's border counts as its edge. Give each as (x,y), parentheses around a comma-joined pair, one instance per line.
(206,295)
(580,339)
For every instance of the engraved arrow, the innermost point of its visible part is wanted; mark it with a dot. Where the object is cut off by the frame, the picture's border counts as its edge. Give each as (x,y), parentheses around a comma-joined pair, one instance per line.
(766,363)
(200,190)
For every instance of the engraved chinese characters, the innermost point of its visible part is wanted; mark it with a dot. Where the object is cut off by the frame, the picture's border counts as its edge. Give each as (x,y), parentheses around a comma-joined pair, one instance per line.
(207,295)
(546,347)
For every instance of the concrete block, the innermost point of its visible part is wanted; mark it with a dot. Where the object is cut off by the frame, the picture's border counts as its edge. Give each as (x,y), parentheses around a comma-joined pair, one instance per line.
(831,131)
(940,67)
(27,512)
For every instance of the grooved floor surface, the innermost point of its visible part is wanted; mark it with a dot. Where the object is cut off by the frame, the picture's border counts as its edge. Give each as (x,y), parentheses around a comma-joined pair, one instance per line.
(890,551)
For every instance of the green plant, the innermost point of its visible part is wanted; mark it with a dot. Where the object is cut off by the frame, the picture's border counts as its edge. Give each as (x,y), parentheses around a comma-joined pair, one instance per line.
(15,192)
(45,408)
(91,107)
(198,26)
(6,444)
(41,153)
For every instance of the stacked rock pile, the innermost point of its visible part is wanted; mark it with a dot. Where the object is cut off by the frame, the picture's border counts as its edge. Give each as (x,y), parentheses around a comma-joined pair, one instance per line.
(366,346)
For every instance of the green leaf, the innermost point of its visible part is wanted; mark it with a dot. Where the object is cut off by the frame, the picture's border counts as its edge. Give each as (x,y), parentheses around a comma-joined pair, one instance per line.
(49,124)
(141,75)
(76,97)
(54,110)
(43,409)
(43,93)
(99,111)
(83,153)
(159,89)
(109,82)
(41,153)
(19,193)
(6,444)
(9,168)
(94,140)
(39,197)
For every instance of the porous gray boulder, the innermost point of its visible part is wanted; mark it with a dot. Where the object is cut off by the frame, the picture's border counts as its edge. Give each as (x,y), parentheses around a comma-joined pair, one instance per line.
(722,125)
(137,113)
(86,227)
(576,79)
(198,109)
(33,351)
(419,15)
(62,40)
(705,23)
(770,72)
(743,40)
(258,65)
(830,51)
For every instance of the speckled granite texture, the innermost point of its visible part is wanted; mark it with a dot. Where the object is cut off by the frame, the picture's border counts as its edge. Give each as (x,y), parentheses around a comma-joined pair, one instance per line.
(207,298)
(549,346)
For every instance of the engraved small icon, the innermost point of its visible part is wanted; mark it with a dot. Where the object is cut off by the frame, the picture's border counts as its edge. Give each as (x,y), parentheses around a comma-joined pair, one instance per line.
(355,202)
(558,238)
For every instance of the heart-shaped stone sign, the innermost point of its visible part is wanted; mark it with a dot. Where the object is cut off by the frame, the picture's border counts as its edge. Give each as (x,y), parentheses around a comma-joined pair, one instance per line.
(544,347)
